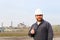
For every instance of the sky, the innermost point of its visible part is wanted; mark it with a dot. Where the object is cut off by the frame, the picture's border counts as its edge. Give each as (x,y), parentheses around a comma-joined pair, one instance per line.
(22,11)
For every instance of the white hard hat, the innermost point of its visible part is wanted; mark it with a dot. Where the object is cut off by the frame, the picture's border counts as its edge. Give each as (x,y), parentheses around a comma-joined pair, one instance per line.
(38,12)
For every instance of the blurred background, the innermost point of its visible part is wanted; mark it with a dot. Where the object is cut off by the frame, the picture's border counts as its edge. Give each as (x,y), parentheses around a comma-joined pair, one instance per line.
(17,16)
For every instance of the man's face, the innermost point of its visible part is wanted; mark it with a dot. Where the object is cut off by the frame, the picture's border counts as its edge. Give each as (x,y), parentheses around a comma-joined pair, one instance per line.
(39,17)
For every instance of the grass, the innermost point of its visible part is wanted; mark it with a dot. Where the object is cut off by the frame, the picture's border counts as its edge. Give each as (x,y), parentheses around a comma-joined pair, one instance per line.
(13,34)
(56,34)
(23,32)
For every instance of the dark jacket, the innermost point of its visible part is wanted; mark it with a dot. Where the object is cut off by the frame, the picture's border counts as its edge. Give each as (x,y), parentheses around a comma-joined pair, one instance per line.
(43,31)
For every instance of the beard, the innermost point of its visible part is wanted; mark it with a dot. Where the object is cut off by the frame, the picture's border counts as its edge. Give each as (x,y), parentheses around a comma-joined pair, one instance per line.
(39,20)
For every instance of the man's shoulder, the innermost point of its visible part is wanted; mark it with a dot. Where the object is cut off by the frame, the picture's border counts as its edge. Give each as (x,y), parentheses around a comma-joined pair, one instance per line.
(48,23)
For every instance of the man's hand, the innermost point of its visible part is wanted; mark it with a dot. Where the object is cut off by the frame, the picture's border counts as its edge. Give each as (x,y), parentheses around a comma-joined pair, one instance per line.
(32,31)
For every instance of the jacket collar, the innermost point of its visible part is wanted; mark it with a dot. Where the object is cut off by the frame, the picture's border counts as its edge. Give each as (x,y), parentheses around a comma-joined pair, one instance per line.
(40,23)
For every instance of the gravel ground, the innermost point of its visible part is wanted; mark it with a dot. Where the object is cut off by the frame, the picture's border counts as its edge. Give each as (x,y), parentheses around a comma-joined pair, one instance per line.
(22,38)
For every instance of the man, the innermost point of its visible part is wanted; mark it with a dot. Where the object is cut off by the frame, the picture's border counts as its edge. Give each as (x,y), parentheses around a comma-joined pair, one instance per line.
(41,30)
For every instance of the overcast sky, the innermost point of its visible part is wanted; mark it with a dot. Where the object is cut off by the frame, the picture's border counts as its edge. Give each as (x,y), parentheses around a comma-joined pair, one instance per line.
(20,11)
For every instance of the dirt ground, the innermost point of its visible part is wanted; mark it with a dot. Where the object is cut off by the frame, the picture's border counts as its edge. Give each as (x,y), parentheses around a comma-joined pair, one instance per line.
(22,38)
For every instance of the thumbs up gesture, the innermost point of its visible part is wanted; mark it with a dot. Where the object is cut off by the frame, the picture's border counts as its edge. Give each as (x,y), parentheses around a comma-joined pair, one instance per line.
(32,31)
